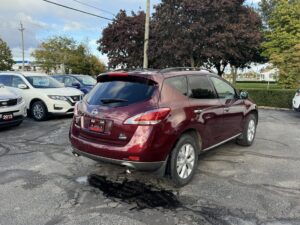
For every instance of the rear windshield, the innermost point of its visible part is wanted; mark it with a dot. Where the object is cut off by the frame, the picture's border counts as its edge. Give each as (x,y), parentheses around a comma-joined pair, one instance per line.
(117,93)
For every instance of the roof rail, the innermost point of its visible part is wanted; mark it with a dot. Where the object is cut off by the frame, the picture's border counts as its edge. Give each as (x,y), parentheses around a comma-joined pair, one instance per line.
(171,69)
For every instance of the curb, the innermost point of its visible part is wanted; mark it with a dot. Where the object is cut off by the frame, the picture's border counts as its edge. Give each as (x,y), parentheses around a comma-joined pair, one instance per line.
(274,108)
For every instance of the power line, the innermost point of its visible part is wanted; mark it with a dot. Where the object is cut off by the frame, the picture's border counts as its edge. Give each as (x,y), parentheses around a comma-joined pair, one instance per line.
(94,7)
(64,6)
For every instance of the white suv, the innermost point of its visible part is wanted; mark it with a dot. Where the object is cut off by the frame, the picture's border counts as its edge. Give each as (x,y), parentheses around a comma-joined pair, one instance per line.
(43,94)
(296,101)
(12,107)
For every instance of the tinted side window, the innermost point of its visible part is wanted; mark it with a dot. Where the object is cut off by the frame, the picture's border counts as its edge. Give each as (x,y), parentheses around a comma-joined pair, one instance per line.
(201,88)
(6,80)
(60,79)
(224,90)
(16,81)
(179,83)
(69,81)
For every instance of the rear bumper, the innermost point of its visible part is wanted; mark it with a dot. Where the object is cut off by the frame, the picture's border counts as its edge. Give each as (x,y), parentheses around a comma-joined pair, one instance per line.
(13,122)
(18,111)
(143,166)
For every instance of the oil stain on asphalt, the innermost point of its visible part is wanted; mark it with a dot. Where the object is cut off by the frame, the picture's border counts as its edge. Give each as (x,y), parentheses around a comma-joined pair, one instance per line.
(135,192)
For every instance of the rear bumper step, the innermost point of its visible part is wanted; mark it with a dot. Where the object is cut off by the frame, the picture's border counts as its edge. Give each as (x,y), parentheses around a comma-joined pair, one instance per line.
(143,166)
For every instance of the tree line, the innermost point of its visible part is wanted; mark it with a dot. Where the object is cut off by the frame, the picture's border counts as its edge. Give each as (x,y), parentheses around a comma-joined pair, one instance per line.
(210,33)
(58,53)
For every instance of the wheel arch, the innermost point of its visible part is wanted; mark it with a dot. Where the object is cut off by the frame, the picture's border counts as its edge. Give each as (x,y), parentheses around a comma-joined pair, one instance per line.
(37,100)
(254,112)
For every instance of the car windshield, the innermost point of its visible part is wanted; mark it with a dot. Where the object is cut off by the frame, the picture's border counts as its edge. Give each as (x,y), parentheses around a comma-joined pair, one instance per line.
(43,82)
(87,80)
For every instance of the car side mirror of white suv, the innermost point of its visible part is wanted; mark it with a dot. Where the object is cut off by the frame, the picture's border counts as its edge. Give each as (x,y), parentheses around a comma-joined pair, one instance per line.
(22,86)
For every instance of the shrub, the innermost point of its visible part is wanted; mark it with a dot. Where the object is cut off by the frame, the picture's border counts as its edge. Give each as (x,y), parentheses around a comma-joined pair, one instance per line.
(280,98)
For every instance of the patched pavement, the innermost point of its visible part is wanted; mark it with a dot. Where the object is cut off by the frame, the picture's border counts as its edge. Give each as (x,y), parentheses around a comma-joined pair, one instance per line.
(41,182)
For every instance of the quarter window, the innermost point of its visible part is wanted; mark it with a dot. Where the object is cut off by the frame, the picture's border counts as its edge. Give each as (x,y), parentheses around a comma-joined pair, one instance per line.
(201,88)
(224,90)
(179,83)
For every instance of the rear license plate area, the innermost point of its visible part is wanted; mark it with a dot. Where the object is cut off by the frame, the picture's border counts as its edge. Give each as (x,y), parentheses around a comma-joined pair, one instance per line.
(97,125)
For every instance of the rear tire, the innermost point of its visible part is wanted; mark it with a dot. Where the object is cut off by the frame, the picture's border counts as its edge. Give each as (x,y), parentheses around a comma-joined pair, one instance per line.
(38,111)
(249,132)
(184,160)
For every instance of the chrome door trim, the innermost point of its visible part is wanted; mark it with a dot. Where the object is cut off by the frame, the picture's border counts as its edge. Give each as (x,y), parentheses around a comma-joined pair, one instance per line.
(220,143)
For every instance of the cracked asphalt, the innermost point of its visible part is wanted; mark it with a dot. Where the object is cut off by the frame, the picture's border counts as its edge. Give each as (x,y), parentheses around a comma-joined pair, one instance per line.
(42,183)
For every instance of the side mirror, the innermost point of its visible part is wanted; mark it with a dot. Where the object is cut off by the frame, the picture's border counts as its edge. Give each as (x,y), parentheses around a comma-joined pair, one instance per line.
(244,95)
(22,86)
(76,85)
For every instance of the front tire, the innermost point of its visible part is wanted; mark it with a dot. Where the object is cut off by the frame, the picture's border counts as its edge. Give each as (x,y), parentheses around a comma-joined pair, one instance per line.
(38,111)
(184,160)
(249,132)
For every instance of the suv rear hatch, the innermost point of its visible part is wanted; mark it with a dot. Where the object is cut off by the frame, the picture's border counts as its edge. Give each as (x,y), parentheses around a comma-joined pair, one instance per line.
(116,98)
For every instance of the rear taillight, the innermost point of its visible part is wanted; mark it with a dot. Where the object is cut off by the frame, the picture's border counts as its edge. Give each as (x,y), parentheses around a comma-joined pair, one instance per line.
(298,94)
(150,117)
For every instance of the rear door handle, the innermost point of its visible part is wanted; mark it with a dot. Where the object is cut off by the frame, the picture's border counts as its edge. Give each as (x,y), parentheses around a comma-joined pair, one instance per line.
(198,111)
(226,109)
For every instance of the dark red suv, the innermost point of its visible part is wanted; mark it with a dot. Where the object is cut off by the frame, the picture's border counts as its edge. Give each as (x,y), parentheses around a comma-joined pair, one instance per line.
(161,120)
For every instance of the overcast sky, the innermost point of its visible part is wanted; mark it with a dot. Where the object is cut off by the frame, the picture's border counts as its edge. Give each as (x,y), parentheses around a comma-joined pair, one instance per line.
(42,20)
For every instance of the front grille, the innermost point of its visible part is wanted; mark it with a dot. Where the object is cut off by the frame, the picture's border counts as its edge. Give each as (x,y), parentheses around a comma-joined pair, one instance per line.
(10,102)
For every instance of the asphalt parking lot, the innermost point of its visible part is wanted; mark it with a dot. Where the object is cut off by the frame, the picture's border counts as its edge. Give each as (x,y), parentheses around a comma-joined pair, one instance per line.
(41,182)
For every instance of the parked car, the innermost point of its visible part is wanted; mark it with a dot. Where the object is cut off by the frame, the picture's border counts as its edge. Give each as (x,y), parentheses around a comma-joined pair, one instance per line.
(296,101)
(161,120)
(12,107)
(43,94)
(85,83)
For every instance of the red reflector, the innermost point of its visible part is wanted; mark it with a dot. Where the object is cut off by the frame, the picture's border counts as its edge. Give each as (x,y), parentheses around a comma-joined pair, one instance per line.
(134,158)
(118,74)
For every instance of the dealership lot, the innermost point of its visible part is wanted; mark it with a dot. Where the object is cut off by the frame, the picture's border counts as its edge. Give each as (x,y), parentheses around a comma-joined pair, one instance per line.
(43,183)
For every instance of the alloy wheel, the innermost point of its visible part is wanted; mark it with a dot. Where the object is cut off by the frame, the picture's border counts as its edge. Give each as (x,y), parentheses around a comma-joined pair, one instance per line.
(185,161)
(251,130)
(38,111)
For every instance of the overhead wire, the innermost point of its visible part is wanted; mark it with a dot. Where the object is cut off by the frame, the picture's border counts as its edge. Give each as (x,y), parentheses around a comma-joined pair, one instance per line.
(78,10)
(94,7)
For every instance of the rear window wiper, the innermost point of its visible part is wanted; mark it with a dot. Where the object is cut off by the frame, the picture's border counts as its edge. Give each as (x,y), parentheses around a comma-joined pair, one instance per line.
(112,100)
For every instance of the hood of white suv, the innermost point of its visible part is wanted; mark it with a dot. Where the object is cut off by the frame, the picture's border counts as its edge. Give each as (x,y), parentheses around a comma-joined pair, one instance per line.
(61,91)
(7,93)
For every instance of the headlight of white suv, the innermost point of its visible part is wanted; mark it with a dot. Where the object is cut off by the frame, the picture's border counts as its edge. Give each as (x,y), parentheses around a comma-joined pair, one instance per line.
(57,97)
(19,100)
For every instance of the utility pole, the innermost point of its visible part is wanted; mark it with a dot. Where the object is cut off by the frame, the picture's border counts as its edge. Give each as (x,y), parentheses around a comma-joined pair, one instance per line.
(146,42)
(22,31)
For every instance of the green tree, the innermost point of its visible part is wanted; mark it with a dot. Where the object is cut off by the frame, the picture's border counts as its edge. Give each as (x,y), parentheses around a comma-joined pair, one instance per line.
(64,52)
(6,60)
(282,39)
